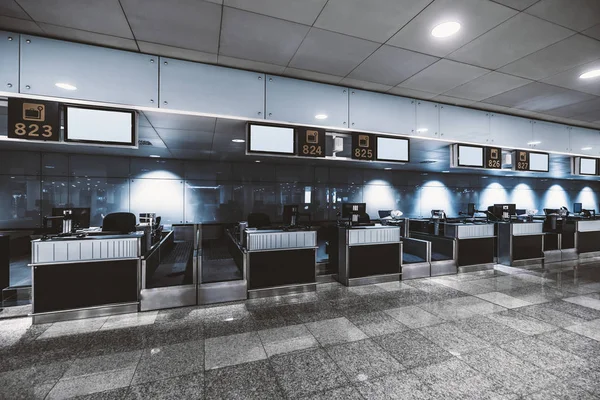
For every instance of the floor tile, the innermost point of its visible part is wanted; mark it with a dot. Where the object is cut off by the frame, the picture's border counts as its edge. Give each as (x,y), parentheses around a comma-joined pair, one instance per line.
(376,323)
(503,300)
(73,327)
(318,311)
(412,349)
(575,309)
(393,286)
(520,377)
(488,330)
(579,345)
(87,384)
(229,326)
(562,391)
(32,382)
(307,372)
(366,289)
(584,301)
(550,315)
(180,387)
(452,339)
(588,381)
(255,380)
(287,339)
(363,360)
(590,329)
(169,361)
(334,331)
(113,394)
(534,295)
(223,351)
(469,287)
(106,363)
(520,322)
(171,332)
(129,320)
(342,393)
(448,370)
(115,341)
(402,386)
(478,387)
(413,316)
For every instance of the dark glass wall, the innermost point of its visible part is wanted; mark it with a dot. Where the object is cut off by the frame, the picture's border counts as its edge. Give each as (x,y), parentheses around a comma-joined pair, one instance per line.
(187,191)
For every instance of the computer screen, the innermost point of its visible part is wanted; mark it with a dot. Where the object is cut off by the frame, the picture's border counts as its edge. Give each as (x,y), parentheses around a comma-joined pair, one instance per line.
(539,162)
(289,211)
(353,208)
(92,125)
(471,209)
(271,139)
(392,149)
(500,209)
(470,156)
(80,217)
(577,207)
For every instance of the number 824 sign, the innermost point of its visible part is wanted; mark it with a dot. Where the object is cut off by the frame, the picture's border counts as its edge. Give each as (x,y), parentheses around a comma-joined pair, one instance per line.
(33,119)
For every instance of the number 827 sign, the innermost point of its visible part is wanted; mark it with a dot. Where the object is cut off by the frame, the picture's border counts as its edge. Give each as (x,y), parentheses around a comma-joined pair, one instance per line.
(33,119)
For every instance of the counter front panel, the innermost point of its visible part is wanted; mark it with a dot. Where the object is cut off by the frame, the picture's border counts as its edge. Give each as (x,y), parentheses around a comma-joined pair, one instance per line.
(374,260)
(273,240)
(270,269)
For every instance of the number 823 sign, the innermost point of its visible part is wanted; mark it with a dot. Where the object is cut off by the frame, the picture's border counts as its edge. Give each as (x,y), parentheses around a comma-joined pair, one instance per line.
(33,120)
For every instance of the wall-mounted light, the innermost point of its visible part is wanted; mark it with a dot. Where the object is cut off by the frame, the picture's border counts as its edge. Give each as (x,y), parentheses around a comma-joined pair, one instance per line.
(154,156)
(238,140)
(257,161)
(532,143)
(586,148)
(590,74)
(65,86)
(446,29)
(321,116)
(387,168)
(445,172)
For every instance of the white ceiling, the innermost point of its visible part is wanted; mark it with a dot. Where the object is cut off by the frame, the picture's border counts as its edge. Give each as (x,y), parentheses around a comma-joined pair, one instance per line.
(520,57)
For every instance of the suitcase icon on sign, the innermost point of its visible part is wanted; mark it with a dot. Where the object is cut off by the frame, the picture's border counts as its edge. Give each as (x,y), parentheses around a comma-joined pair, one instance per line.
(34,112)
(312,137)
(363,141)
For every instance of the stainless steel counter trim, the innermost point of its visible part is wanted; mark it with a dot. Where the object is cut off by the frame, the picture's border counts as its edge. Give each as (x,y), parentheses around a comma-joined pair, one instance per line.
(370,280)
(373,244)
(88,312)
(588,226)
(283,249)
(83,261)
(282,290)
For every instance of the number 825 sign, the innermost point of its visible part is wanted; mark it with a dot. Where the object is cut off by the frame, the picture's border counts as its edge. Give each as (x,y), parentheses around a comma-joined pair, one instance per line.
(33,119)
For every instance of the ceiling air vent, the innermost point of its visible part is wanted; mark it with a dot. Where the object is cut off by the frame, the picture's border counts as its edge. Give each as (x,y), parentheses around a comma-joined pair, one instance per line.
(142,142)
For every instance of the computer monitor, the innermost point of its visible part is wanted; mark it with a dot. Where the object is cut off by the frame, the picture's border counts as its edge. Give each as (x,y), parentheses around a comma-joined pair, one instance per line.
(471,209)
(80,216)
(499,210)
(349,209)
(577,208)
(290,214)
(384,213)
(521,211)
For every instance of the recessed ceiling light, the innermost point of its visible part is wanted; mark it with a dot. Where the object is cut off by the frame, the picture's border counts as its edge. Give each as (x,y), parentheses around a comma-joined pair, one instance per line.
(66,86)
(321,116)
(257,161)
(387,168)
(446,29)
(586,148)
(534,142)
(238,140)
(154,156)
(590,74)
(445,172)
(421,130)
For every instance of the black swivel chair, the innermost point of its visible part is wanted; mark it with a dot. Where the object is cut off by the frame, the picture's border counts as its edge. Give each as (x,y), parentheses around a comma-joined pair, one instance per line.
(122,222)
(258,220)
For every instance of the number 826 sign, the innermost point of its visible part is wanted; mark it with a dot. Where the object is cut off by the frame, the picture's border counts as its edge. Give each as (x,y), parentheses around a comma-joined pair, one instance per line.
(33,119)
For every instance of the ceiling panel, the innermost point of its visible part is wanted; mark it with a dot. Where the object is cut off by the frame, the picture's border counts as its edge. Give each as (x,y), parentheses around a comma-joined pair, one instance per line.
(516,38)
(574,14)
(10,8)
(390,65)
(593,32)
(301,11)
(443,76)
(475,16)
(486,86)
(188,24)
(331,53)
(77,35)
(181,121)
(538,97)
(566,54)
(570,79)
(176,52)
(587,117)
(517,4)
(259,38)
(572,110)
(19,25)
(91,15)
(376,20)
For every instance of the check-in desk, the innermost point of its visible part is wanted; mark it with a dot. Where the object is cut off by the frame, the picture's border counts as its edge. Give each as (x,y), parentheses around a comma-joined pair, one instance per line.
(587,238)
(474,244)
(559,241)
(442,255)
(81,277)
(369,254)
(520,244)
(280,262)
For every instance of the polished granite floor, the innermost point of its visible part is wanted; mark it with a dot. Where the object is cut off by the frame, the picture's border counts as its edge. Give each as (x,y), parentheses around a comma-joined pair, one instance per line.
(496,334)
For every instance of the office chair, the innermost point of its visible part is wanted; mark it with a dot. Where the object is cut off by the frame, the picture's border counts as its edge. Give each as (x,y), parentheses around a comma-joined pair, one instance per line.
(122,222)
(258,220)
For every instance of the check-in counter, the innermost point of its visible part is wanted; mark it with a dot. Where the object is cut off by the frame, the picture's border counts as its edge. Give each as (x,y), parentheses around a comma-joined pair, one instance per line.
(369,254)
(474,244)
(587,238)
(520,244)
(81,277)
(280,262)
(559,242)
(443,253)
(416,258)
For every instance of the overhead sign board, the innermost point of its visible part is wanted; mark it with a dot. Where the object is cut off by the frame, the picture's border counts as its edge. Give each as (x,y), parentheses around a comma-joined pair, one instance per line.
(311,142)
(33,120)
